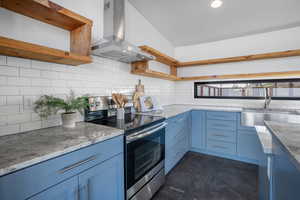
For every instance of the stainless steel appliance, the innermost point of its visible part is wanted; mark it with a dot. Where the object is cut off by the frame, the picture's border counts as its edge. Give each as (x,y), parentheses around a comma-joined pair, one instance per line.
(113,44)
(145,154)
(144,150)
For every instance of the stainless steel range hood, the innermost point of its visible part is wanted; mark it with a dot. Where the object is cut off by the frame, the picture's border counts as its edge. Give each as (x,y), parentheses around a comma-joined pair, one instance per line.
(113,45)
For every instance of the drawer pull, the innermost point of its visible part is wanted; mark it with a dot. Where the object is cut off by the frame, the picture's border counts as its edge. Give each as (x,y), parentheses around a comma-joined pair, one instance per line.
(70,167)
(223,136)
(219,147)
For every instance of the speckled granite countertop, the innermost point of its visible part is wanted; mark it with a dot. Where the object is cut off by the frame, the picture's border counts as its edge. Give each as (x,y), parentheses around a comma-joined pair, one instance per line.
(25,149)
(289,136)
(173,110)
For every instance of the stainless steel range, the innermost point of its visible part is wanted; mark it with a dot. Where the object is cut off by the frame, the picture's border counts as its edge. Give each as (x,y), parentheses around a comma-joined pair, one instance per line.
(144,151)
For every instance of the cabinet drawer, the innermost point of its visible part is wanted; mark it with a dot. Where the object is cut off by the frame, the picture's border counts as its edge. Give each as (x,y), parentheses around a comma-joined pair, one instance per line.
(222,135)
(176,123)
(221,115)
(221,147)
(32,180)
(175,153)
(176,136)
(219,124)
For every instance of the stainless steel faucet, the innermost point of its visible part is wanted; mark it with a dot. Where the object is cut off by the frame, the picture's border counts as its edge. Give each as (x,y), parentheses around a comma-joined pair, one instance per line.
(268,98)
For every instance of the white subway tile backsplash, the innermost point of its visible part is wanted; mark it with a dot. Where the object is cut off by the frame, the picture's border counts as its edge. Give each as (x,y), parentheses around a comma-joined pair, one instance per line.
(23,81)
(14,100)
(8,90)
(9,109)
(31,91)
(18,62)
(3,120)
(9,71)
(40,82)
(9,129)
(29,72)
(2,100)
(2,60)
(50,74)
(18,118)
(18,81)
(35,64)
(31,126)
(3,80)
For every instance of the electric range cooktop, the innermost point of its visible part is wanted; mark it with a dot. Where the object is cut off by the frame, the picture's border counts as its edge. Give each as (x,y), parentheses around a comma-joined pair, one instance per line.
(132,122)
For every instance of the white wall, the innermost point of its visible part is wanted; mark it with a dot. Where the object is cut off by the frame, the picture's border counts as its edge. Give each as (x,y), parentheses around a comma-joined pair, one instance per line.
(22,81)
(287,39)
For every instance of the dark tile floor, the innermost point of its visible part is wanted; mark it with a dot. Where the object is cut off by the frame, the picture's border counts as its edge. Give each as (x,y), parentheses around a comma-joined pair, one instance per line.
(203,177)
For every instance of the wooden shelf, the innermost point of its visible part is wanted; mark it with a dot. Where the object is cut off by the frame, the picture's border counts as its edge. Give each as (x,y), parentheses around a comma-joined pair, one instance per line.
(280,54)
(160,57)
(46,11)
(17,48)
(155,74)
(242,76)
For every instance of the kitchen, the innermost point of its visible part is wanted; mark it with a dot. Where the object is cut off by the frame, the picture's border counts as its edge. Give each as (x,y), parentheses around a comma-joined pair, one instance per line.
(182,99)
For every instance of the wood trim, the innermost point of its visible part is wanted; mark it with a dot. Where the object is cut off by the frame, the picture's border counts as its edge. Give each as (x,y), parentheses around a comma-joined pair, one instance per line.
(21,49)
(81,40)
(280,54)
(140,66)
(242,76)
(160,57)
(155,74)
(48,12)
(173,70)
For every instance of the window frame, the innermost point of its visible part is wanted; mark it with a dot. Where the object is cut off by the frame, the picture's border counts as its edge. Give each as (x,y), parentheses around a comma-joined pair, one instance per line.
(245,81)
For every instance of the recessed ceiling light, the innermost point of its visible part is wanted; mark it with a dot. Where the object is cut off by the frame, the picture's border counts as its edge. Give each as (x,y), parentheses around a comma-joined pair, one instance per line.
(216,4)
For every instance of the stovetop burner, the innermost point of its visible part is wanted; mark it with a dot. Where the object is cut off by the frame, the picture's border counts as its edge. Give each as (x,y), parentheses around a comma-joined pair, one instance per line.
(132,122)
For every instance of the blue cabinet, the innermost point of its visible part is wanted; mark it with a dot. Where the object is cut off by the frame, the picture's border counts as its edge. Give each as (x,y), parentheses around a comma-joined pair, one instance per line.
(285,174)
(177,139)
(67,190)
(57,178)
(104,181)
(198,139)
(249,146)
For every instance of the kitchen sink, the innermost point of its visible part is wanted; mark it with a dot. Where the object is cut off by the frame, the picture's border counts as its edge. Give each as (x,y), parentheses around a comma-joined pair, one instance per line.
(257,116)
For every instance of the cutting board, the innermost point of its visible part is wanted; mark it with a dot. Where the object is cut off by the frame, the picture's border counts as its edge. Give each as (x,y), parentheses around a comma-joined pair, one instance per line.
(139,91)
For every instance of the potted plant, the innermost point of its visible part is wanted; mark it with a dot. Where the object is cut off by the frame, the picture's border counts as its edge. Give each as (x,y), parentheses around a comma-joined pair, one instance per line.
(48,105)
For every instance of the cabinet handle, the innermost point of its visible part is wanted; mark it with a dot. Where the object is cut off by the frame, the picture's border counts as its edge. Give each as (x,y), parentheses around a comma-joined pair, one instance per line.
(219,147)
(218,135)
(70,167)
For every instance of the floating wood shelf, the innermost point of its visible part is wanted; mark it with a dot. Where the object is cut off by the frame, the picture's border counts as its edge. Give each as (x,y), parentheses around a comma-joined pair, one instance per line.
(280,54)
(17,48)
(155,74)
(242,76)
(51,13)
(141,68)
(160,57)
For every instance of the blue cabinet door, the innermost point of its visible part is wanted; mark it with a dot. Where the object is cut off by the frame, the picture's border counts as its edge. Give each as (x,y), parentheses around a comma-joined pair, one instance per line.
(249,146)
(285,174)
(67,190)
(104,181)
(198,129)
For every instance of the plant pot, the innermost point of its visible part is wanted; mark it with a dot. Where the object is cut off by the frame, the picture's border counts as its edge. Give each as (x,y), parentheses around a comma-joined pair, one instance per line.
(69,120)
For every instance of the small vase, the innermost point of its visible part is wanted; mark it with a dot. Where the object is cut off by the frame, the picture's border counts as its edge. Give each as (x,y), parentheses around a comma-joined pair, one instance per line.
(120,113)
(69,120)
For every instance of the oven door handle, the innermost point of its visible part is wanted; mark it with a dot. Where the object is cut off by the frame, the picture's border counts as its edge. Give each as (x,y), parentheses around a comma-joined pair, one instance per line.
(130,139)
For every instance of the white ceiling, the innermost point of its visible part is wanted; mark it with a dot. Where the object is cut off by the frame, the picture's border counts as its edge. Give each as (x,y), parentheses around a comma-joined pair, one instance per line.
(186,22)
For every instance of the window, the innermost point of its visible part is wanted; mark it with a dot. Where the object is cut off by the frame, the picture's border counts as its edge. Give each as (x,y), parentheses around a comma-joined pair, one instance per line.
(280,89)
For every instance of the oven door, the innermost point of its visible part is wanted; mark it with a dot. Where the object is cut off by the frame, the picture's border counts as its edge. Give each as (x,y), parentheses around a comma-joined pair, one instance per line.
(144,151)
